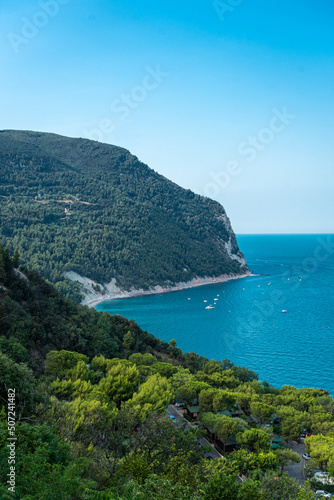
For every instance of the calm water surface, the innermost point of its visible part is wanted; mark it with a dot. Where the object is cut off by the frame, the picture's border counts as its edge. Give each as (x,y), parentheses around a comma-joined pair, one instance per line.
(294,273)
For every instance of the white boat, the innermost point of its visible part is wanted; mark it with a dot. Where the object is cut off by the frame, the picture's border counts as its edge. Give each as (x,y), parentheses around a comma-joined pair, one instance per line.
(284,311)
(209,307)
(215,299)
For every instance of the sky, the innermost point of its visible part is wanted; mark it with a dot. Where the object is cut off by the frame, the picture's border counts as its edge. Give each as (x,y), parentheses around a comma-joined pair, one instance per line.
(230,98)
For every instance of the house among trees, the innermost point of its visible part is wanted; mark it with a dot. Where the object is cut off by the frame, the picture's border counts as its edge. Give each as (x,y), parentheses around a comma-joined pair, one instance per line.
(275,442)
(227,413)
(192,411)
(227,445)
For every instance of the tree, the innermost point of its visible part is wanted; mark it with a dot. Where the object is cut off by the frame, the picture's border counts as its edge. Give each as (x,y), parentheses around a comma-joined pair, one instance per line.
(160,488)
(323,428)
(243,399)
(181,377)
(208,419)
(253,440)
(16,259)
(139,359)
(19,377)
(244,374)
(3,274)
(172,343)
(225,427)
(44,467)
(120,382)
(212,367)
(135,466)
(155,437)
(282,487)
(250,490)
(286,457)
(71,389)
(79,372)
(221,487)
(331,466)
(14,349)
(222,400)
(186,393)
(249,462)
(153,396)
(321,448)
(59,363)
(262,412)
(85,421)
(127,341)
(180,469)
(206,399)
(164,369)
(291,428)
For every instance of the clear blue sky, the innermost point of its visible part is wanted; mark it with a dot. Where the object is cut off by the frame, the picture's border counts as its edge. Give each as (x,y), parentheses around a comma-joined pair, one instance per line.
(195,91)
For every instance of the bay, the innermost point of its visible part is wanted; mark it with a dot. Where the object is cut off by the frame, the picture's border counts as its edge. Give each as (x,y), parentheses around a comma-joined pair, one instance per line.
(292,273)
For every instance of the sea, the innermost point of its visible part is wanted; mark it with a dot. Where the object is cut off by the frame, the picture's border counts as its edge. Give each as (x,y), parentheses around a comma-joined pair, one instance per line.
(278,322)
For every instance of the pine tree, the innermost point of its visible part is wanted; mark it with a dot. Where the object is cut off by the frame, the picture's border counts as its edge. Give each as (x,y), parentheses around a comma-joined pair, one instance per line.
(3,274)
(16,259)
(127,341)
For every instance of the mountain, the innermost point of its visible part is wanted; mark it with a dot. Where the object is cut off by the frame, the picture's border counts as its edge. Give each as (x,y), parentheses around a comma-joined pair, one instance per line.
(94,213)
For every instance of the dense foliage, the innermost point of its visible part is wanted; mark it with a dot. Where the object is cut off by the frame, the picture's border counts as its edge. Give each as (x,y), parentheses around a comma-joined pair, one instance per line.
(35,318)
(123,220)
(91,396)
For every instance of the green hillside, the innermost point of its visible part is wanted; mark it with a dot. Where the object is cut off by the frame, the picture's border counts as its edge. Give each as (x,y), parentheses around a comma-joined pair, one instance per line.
(89,393)
(35,318)
(95,209)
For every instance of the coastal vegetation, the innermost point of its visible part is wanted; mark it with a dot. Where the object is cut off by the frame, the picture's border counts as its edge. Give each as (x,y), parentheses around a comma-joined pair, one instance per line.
(92,392)
(95,209)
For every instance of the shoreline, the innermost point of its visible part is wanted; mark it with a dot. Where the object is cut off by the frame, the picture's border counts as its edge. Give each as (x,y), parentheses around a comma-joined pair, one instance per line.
(195,282)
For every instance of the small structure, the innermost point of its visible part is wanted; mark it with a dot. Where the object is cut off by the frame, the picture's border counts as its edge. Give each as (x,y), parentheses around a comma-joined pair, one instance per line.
(227,413)
(228,444)
(275,442)
(210,432)
(192,411)
(236,412)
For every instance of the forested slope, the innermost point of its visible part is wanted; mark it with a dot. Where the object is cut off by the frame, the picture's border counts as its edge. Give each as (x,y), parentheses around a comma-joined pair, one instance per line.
(90,396)
(35,318)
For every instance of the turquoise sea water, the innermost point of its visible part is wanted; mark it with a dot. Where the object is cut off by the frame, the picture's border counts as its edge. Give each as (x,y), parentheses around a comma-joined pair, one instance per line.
(293,273)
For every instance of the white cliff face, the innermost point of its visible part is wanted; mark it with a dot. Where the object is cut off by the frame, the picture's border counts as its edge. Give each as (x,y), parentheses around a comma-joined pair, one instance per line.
(231,246)
(90,288)
(235,256)
(111,291)
(21,275)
